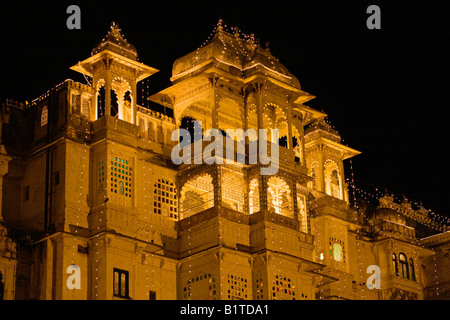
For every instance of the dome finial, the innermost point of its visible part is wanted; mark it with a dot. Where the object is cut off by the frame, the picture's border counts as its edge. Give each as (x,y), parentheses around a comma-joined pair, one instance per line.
(115,26)
(252,38)
(115,41)
(236,32)
(220,25)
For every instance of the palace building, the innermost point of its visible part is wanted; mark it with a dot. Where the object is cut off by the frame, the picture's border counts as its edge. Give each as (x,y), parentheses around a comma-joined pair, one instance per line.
(88,180)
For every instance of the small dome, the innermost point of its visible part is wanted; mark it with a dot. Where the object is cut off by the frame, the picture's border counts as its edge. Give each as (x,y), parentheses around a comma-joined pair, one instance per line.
(322,125)
(388,215)
(236,53)
(115,42)
(265,58)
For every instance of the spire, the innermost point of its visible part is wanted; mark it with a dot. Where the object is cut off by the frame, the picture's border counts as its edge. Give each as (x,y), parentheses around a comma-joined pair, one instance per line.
(236,32)
(219,25)
(114,41)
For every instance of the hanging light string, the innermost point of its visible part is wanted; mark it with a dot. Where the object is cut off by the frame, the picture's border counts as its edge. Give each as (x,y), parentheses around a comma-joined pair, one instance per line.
(378,193)
(89,83)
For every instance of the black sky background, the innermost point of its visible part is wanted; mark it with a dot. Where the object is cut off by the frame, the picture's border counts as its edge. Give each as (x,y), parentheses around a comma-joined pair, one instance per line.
(386,91)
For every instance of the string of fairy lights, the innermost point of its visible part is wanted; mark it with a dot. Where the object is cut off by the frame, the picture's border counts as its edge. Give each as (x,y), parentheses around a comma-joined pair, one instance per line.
(375,193)
(277,264)
(276,260)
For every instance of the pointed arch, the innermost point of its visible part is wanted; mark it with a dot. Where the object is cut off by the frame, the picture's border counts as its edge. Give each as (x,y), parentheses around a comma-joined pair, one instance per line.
(395,264)
(333,180)
(196,195)
(279,197)
(232,186)
(403,265)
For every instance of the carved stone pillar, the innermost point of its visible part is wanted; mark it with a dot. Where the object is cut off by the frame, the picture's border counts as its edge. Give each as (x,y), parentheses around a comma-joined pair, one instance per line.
(289,124)
(214,103)
(294,199)
(133,103)
(259,101)
(107,93)
(263,192)
(217,183)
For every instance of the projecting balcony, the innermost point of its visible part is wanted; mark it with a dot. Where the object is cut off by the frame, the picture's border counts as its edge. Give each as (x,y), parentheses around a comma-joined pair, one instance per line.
(233,151)
(112,127)
(263,230)
(241,218)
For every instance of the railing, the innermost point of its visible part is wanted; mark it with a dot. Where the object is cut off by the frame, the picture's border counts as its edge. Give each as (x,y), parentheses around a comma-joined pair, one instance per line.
(195,208)
(275,218)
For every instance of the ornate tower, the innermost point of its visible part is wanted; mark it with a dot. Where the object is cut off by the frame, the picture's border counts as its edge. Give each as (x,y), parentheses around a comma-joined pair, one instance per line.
(115,72)
(331,220)
(324,157)
(237,226)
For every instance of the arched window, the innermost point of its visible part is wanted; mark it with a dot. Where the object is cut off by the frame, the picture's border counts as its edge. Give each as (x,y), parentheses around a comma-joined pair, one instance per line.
(279,198)
(334,183)
(395,264)
(296,144)
(101,102)
(404,265)
(233,186)
(114,104)
(332,179)
(121,188)
(121,176)
(196,195)
(127,102)
(127,96)
(337,252)
(296,148)
(412,272)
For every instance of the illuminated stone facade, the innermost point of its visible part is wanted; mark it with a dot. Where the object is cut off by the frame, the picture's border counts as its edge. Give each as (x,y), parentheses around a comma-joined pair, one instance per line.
(88,179)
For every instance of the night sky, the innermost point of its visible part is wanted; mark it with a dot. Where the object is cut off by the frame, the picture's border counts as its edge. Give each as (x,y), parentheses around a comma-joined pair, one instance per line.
(386,91)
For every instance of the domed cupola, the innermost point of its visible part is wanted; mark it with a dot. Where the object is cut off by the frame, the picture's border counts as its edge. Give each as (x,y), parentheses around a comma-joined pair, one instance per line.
(115,42)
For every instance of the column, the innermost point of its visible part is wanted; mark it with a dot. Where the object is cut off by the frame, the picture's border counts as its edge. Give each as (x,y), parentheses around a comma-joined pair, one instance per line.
(342,191)
(321,173)
(263,192)
(213,102)
(289,123)
(294,198)
(245,107)
(133,102)
(107,93)
(301,133)
(259,101)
